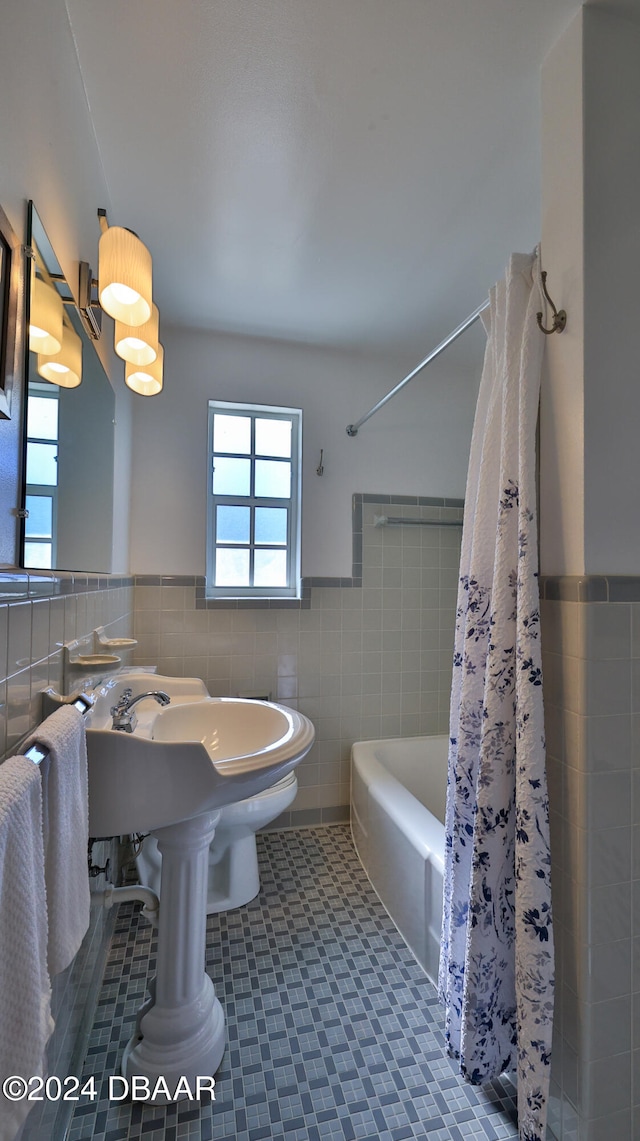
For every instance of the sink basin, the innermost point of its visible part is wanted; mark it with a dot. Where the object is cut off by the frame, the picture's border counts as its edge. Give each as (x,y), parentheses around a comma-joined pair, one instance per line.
(180,690)
(239,735)
(187,759)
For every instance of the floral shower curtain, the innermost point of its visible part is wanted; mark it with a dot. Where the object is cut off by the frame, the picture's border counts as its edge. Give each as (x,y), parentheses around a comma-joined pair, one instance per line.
(496,964)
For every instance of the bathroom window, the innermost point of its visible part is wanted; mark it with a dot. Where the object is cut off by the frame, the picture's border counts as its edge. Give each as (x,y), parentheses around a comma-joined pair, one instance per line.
(42,476)
(253,501)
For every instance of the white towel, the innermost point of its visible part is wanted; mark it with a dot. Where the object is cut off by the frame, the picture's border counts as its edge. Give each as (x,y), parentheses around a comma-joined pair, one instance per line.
(65,792)
(25,992)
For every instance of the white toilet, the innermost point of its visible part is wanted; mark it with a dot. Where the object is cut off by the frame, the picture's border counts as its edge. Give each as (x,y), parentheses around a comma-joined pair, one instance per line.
(233,858)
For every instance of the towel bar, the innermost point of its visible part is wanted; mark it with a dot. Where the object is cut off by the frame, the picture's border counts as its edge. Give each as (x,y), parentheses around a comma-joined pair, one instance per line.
(37,753)
(398,521)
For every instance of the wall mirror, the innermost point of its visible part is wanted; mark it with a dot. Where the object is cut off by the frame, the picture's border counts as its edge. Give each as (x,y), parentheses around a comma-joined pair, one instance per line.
(69,426)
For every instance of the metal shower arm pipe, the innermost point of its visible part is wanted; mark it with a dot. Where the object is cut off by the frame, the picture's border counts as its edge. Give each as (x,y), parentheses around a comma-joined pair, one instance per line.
(352,429)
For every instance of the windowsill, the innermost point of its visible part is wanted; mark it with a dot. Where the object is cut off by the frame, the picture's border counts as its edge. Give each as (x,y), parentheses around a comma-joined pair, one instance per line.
(206,601)
(252,598)
(207,598)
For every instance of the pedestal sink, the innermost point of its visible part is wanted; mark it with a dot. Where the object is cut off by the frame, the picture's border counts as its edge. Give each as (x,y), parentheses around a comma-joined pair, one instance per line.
(170,777)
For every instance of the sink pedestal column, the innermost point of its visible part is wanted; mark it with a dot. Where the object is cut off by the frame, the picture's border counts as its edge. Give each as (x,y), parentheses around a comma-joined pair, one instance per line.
(180,1030)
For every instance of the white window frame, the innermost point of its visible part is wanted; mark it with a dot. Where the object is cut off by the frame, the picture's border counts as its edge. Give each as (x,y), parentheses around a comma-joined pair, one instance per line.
(45,490)
(293,504)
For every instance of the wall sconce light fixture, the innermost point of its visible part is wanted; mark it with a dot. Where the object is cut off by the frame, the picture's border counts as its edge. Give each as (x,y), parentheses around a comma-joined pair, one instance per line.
(45,319)
(63,368)
(146,380)
(124,292)
(124,274)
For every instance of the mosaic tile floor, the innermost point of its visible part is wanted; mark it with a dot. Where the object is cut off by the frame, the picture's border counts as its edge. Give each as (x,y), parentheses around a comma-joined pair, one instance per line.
(334,1031)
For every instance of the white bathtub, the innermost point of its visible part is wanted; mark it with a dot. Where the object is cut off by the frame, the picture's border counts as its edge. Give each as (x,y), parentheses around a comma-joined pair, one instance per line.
(398,794)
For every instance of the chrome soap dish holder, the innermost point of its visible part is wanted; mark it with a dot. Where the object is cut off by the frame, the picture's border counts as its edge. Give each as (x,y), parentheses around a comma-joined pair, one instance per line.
(102,643)
(91,657)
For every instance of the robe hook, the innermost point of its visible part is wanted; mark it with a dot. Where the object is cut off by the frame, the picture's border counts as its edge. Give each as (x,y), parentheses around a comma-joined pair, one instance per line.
(559,315)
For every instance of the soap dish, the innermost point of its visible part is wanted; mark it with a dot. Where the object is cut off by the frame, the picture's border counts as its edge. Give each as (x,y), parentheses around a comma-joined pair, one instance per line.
(95,660)
(101,639)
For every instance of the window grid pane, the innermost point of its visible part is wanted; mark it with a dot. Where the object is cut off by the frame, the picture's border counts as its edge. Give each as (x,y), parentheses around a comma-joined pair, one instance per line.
(272,479)
(232,434)
(270,568)
(42,417)
(42,461)
(37,555)
(233,524)
(273,437)
(39,521)
(231,477)
(232,567)
(271,526)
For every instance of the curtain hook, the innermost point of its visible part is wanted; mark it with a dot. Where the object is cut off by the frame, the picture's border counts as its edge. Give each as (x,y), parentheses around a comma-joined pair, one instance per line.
(559,315)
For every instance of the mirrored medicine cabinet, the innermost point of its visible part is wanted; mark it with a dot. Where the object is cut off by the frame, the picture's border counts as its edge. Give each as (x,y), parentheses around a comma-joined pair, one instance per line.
(69,434)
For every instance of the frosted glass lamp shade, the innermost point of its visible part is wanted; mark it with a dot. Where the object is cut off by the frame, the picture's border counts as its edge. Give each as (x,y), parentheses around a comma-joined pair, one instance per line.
(147,379)
(138,344)
(63,368)
(45,320)
(124,276)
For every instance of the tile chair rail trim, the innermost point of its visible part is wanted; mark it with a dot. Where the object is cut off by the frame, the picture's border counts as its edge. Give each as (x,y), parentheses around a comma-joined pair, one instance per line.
(590,588)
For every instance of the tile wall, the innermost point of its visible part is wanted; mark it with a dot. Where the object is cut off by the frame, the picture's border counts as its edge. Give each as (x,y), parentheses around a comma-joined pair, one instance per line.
(365,656)
(367,660)
(37,614)
(373,660)
(592,704)
(74,999)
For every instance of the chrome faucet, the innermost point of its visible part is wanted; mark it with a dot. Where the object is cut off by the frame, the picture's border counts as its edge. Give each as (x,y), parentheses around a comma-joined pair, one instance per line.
(123,718)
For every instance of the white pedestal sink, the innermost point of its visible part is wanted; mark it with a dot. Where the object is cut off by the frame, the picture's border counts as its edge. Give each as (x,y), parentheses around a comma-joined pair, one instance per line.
(169,777)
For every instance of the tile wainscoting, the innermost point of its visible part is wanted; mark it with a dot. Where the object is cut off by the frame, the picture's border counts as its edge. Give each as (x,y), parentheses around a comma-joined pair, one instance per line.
(591,660)
(364,657)
(373,660)
(38,613)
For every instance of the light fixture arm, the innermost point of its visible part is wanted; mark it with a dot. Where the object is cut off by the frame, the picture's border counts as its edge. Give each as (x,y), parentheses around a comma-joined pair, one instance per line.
(88,305)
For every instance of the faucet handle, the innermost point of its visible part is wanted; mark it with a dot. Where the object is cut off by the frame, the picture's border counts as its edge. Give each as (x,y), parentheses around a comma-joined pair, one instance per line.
(122,703)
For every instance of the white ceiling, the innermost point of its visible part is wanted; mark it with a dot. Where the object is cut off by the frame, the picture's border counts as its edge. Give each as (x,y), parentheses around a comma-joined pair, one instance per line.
(342,172)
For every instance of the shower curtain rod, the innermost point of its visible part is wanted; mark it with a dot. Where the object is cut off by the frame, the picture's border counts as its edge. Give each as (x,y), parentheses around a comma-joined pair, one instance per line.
(558,325)
(352,429)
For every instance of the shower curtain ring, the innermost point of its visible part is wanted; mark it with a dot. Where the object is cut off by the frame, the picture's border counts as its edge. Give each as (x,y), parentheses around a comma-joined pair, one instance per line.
(559,315)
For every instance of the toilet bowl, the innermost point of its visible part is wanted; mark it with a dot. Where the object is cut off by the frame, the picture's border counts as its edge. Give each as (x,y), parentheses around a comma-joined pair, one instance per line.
(233,858)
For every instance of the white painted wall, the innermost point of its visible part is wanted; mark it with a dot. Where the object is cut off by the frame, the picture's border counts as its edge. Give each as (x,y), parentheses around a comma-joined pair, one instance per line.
(417,445)
(562,396)
(49,154)
(122,444)
(591,247)
(612,292)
